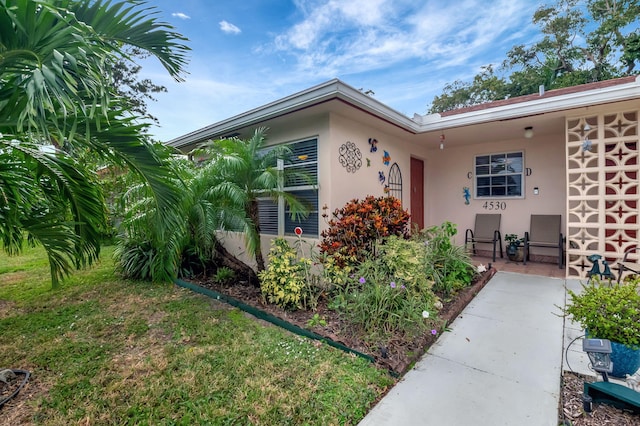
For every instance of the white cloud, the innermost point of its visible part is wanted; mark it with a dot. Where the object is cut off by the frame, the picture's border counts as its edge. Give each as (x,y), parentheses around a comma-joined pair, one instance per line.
(180,15)
(337,37)
(229,28)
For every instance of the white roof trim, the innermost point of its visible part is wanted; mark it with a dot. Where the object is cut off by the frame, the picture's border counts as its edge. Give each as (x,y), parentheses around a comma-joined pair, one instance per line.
(336,89)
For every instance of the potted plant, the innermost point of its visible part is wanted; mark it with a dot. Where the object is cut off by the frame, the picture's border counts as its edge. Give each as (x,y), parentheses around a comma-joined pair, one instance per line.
(611,312)
(514,249)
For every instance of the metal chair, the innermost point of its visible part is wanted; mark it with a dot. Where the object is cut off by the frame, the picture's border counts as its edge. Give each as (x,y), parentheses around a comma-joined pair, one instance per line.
(485,230)
(544,231)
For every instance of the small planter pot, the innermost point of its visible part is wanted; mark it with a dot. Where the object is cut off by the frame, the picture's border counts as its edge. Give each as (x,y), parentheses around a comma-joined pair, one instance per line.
(626,360)
(515,253)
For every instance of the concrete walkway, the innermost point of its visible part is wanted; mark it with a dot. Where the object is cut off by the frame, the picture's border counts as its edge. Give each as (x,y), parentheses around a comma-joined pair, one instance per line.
(499,365)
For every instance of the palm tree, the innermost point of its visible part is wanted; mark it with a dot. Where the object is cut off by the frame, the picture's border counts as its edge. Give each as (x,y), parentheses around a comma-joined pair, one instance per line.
(248,171)
(150,250)
(56,98)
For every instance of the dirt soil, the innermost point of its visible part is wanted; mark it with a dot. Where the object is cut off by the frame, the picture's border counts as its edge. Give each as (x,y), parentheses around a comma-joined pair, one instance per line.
(572,413)
(398,355)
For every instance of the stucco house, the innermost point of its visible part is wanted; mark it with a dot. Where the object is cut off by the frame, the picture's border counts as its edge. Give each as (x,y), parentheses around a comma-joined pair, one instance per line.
(573,152)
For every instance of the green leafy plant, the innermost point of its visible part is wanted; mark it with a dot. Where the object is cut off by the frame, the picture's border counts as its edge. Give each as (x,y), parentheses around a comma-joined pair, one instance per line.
(383,302)
(355,228)
(224,275)
(284,281)
(447,265)
(316,320)
(513,240)
(608,312)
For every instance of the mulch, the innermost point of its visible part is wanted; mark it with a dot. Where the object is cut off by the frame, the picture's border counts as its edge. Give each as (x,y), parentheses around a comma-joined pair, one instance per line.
(397,355)
(572,412)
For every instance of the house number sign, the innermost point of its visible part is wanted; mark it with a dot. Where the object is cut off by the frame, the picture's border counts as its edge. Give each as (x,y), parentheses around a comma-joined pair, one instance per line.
(494,205)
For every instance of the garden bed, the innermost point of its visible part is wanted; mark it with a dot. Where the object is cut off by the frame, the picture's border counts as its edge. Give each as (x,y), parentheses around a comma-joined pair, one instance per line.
(397,356)
(572,413)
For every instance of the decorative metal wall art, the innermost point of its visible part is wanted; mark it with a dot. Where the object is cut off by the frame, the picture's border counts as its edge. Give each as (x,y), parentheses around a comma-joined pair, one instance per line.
(368,162)
(394,183)
(466,193)
(386,158)
(381,177)
(350,157)
(373,144)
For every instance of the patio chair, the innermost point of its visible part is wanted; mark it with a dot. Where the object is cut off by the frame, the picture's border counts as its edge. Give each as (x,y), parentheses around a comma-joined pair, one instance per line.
(544,231)
(628,265)
(485,230)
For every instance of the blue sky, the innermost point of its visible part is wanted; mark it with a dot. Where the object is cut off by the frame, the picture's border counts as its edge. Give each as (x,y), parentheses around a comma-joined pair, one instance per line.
(246,53)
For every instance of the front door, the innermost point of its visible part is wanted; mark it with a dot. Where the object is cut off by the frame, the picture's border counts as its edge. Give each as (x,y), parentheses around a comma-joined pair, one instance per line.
(417,192)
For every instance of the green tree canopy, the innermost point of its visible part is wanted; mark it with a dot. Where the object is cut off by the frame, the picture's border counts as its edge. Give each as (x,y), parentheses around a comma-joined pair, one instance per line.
(57,99)
(581,42)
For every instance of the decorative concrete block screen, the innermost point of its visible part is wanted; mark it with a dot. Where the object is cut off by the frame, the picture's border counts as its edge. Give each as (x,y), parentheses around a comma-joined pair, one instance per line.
(603,194)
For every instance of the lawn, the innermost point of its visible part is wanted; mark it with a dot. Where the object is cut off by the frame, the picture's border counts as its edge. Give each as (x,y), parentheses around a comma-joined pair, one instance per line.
(103,350)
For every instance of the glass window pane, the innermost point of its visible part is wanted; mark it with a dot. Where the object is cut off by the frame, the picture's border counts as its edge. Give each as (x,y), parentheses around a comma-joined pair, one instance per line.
(498,180)
(484,191)
(482,160)
(483,181)
(498,191)
(482,170)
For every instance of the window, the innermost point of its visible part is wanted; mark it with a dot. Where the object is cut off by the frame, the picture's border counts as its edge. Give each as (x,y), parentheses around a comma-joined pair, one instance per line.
(275,218)
(499,175)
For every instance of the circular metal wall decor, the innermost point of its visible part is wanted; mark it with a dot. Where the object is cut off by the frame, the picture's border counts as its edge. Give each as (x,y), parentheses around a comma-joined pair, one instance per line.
(350,157)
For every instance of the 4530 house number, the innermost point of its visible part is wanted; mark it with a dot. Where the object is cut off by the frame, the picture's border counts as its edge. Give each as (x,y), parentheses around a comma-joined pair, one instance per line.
(494,205)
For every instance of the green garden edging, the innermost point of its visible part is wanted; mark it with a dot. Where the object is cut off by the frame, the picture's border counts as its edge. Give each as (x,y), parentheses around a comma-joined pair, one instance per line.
(269,318)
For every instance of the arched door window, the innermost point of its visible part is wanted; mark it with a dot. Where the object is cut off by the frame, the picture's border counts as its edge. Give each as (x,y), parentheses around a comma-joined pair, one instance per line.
(395,182)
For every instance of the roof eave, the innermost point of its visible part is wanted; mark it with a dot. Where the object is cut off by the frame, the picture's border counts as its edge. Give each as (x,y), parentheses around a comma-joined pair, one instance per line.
(617,93)
(332,89)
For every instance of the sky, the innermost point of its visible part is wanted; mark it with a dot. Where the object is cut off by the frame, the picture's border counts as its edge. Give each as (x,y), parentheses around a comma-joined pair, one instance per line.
(247,53)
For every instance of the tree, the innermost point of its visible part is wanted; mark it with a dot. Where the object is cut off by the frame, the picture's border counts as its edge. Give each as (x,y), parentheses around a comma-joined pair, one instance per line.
(249,171)
(57,98)
(127,84)
(187,245)
(581,43)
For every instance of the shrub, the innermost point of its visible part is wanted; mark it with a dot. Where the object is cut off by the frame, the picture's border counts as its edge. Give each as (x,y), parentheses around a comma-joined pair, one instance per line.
(224,275)
(608,312)
(384,307)
(355,228)
(389,292)
(448,265)
(284,281)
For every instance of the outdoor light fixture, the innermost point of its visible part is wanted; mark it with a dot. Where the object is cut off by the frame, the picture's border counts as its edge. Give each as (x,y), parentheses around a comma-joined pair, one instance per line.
(528,132)
(599,351)
(606,392)
(587,127)
(442,141)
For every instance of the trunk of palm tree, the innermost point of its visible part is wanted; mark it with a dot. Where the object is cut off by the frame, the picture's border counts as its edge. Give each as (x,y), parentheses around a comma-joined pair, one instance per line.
(222,257)
(255,218)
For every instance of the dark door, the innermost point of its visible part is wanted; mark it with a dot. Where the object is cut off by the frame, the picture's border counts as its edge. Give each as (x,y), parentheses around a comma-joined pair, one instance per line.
(417,192)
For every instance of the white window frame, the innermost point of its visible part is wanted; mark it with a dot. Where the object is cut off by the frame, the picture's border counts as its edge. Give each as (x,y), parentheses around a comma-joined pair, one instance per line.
(281,205)
(479,168)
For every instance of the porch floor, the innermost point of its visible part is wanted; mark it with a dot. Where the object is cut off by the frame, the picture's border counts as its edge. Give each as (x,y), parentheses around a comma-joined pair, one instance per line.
(531,268)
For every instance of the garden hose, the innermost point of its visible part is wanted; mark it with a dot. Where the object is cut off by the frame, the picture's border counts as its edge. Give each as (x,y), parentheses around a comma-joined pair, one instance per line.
(11,376)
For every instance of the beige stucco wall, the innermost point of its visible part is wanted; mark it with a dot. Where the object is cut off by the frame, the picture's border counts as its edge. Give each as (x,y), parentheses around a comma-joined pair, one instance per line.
(365,181)
(446,174)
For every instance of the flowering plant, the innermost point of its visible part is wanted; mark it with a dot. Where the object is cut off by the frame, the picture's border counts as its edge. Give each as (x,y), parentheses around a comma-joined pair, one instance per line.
(608,312)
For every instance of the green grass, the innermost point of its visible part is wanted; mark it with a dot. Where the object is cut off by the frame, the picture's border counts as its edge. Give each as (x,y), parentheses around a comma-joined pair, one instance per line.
(103,350)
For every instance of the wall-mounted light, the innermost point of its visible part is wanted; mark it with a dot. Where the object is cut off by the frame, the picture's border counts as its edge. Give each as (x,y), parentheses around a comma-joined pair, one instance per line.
(528,132)
(442,141)
(587,127)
